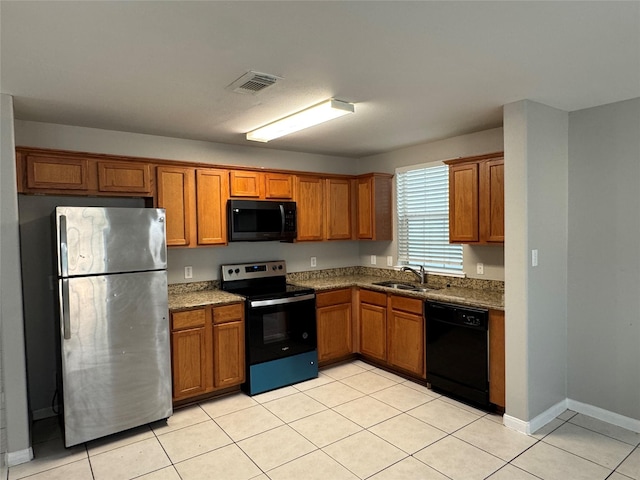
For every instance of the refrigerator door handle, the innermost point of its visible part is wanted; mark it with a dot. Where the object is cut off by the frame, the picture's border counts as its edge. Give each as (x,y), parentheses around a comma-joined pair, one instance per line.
(63,293)
(64,251)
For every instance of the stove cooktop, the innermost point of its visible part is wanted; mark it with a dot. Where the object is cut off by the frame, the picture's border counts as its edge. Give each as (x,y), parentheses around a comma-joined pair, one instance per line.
(260,280)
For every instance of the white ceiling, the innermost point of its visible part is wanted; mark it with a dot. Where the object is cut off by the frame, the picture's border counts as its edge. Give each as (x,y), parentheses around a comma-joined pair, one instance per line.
(417,71)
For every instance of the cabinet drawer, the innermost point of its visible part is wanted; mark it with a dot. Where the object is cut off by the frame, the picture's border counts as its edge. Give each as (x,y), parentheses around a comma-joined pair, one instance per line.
(335,297)
(373,298)
(188,319)
(228,313)
(407,304)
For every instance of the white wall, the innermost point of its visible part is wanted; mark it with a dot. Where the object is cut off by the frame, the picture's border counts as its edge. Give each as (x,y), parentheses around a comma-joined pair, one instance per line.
(604,257)
(13,354)
(479,143)
(536,210)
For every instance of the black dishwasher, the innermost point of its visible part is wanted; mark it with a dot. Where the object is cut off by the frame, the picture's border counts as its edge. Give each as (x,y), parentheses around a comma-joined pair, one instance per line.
(457,351)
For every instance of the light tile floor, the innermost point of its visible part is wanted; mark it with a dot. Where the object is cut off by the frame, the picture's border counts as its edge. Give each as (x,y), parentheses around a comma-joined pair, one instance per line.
(353,422)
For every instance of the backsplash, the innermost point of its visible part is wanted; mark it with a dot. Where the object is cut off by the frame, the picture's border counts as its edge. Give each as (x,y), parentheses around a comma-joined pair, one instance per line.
(177,288)
(432,279)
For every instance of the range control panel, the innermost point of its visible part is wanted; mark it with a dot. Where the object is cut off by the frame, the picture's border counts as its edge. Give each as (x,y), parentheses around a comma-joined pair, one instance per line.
(246,271)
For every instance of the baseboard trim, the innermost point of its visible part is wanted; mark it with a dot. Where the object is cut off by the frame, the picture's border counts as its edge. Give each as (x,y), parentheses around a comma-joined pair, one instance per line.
(537,422)
(515,424)
(21,456)
(629,423)
(545,417)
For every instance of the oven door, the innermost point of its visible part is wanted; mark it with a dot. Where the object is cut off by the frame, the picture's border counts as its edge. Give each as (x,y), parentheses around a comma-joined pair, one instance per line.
(280,327)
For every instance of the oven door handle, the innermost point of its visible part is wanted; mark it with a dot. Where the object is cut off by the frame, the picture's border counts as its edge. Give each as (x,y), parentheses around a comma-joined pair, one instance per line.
(281,301)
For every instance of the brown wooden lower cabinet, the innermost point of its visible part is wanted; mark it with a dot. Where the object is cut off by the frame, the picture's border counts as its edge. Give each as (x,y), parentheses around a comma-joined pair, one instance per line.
(334,324)
(406,334)
(372,315)
(496,358)
(207,350)
(191,353)
(228,345)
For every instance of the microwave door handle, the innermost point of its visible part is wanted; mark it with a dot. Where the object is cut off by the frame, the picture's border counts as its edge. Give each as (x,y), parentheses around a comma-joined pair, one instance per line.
(281,218)
(282,301)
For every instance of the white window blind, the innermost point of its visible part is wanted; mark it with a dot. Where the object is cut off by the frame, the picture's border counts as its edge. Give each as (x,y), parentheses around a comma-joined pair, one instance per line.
(423,219)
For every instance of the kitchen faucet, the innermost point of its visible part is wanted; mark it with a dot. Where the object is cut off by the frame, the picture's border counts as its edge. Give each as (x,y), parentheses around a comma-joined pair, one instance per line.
(420,274)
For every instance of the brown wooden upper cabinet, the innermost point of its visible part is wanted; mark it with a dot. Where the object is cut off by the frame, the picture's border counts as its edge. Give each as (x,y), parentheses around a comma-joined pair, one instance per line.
(53,173)
(124,177)
(195,202)
(374,206)
(476,199)
(310,208)
(58,172)
(324,208)
(260,185)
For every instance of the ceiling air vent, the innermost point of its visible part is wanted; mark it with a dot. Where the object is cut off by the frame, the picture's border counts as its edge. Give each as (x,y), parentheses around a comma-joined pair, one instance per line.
(253,82)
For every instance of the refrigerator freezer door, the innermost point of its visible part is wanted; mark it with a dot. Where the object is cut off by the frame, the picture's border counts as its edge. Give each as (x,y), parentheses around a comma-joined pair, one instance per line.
(97,240)
(116,367)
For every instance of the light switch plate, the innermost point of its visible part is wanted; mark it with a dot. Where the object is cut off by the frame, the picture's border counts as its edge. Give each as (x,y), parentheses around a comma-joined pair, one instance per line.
(373,259)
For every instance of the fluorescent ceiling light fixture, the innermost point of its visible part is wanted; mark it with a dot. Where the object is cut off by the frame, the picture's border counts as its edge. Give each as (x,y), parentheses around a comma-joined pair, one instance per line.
(322,112)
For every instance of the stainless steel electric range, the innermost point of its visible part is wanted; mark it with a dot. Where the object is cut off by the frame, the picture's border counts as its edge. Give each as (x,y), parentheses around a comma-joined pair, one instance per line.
(280,325)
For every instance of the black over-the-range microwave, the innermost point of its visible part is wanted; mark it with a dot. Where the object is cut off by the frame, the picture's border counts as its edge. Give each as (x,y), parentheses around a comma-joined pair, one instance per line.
(261,220)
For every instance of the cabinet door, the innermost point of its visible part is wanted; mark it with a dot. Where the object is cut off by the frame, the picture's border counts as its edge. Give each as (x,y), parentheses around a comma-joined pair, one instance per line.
(338,217)
(310,208)
(191,358)
(406,341)
(278,186)
(176,194)
(365,208)
(496,358)
(492,201)
(334,331)
(54,173)
(373,331)
(124,177)
(245,184)
(189,362)
(228,352)
(463,203)
(212,192)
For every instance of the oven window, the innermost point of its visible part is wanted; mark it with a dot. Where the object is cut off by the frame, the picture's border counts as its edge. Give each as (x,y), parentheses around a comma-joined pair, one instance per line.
(275,327)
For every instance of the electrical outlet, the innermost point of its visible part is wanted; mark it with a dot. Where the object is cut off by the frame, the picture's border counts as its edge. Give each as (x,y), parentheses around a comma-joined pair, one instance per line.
(389,261)
(373,259)
(313,261)
(480,268)
(188,272)
(534,257)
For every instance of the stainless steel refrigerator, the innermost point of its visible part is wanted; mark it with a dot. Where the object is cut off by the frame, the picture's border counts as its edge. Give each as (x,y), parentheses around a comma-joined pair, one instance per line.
(114,325)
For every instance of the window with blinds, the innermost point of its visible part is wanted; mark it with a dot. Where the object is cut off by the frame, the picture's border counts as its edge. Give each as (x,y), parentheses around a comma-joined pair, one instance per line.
(423,219)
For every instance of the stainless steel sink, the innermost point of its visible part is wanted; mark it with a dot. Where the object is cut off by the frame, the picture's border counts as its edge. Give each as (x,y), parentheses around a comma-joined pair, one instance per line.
(405,286)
